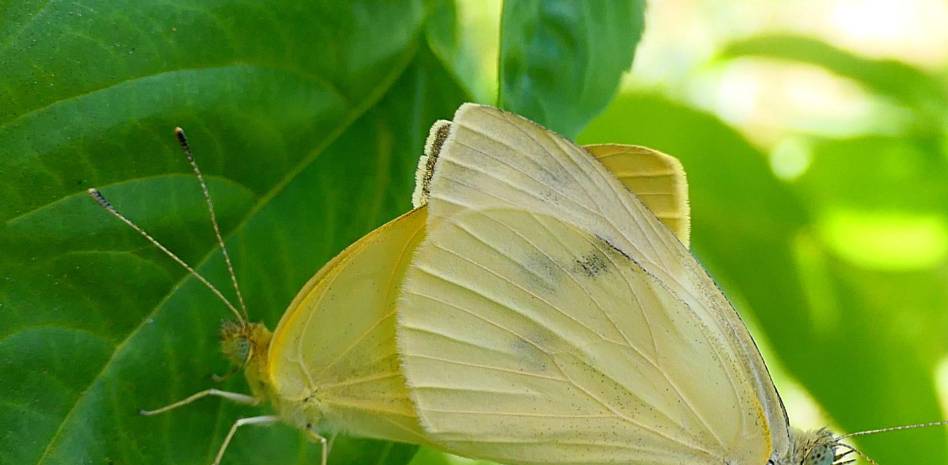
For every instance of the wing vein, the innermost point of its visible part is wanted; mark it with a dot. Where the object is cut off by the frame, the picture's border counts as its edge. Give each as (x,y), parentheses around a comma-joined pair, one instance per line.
(490,367)
(516,414)
(526,291)
(360,380)
(355,342)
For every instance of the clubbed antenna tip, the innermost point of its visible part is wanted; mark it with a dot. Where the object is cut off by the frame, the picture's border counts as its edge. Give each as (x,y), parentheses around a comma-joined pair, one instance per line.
(99,198)
(182,139)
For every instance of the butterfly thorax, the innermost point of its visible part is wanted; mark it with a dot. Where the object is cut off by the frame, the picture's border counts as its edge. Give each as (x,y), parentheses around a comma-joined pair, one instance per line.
(247,345)
(817,447)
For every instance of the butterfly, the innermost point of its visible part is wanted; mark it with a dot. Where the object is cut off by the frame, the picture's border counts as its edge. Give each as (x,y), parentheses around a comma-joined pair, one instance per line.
(549,317)
(331,364)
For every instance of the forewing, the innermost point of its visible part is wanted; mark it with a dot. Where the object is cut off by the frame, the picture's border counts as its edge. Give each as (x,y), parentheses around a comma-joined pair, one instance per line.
(526,340)
(334,353)
(488,158)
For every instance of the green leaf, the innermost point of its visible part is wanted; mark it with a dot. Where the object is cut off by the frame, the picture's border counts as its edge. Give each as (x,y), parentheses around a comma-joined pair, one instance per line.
(876,172)
(865,344)
(882,200)
(561,60)
(307,119)
(890,78)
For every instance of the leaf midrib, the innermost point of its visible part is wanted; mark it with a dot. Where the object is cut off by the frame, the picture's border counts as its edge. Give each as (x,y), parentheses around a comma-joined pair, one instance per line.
(373,96)
(13,221)
(310,77)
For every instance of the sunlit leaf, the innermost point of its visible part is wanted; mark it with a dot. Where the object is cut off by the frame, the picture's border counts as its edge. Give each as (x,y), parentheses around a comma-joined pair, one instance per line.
(463,35)
(890,78)
(877,173)
(882,201)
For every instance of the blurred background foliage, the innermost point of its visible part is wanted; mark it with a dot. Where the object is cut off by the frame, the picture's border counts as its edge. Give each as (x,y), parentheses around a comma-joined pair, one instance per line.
(814,134)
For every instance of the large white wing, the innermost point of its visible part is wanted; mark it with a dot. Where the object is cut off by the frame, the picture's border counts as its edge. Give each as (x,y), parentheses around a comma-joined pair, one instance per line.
(526,340)
(487,158)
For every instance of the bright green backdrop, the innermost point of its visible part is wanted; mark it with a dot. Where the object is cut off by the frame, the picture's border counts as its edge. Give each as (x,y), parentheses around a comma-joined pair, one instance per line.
(308,117)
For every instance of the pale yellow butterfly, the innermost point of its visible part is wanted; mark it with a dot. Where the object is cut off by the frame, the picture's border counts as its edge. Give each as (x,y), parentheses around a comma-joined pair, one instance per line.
(331,365)
(549,318)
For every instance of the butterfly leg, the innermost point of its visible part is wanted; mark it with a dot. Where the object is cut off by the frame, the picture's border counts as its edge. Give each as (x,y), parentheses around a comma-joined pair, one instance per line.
(323,445)
(262,420)
(332,439)
(231,396)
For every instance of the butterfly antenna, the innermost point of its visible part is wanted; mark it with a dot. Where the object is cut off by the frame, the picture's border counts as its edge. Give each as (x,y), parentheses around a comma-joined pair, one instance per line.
(186,148)
(931,424)
(104,203)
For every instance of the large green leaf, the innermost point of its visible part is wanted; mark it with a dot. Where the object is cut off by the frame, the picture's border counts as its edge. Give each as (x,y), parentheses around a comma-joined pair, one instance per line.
(561,60)
(878,253)
(858,344)
(307,120)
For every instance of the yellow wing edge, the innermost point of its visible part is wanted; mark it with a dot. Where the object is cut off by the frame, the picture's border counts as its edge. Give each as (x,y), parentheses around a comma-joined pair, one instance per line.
(656,178)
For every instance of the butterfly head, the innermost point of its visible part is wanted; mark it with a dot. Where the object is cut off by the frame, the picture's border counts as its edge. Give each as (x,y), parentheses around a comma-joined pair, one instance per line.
(245,344)
(820,449)
(815,448)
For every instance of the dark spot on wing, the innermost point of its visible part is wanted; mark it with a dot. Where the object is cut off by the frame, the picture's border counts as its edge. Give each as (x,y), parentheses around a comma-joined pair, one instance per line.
(590,265)
(540,273)
(612,247)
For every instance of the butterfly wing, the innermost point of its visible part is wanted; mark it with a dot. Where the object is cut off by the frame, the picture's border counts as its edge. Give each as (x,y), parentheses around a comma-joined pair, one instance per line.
(486,158)
(657,179)
(333,356)
(526,340)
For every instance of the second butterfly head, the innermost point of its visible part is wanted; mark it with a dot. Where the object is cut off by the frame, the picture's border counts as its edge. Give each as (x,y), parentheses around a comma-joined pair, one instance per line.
(245,344)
